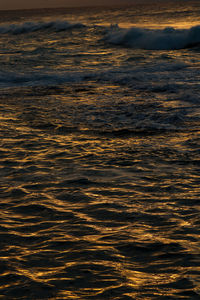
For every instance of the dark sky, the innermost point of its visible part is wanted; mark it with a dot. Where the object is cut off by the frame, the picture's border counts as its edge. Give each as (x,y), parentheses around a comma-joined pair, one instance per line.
(19,4)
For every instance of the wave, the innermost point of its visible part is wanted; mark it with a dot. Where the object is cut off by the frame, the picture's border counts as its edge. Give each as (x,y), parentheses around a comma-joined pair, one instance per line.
(117,75)
(135,37)
(149,39)
(37,78)
(36,26)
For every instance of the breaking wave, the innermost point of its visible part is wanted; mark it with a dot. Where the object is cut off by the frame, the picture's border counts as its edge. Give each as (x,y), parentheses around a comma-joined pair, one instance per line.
(36,26)
(165,39)
(168,38)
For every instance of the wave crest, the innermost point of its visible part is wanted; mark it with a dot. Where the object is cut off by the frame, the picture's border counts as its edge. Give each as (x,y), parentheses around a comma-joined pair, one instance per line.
(36,26)
(149,39)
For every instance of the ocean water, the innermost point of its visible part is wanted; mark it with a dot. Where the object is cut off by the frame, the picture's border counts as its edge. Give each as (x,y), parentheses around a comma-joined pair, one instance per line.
(100,152)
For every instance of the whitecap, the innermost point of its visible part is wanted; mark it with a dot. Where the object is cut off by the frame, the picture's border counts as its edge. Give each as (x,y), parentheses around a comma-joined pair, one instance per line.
(154,39)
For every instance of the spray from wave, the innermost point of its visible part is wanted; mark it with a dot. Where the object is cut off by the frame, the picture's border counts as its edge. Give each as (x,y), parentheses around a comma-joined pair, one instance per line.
(36,26)
(166,39)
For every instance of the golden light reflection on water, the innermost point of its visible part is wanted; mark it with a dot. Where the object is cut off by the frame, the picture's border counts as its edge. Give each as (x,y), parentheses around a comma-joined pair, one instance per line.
(148,24)
(92,207)
(140,279)
(108,238)
(130,194)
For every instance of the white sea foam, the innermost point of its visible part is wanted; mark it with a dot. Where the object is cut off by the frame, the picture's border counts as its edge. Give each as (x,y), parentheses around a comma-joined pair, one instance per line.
(36,26)
(166,39)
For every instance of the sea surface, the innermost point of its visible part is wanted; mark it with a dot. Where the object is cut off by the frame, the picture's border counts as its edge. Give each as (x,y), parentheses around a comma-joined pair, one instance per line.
(100,152)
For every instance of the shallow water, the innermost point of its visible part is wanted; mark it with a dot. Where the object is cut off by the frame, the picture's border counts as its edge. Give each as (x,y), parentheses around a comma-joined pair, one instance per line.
(99,161)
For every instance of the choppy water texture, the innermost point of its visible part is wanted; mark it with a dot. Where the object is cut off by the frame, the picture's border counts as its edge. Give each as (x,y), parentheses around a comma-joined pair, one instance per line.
(100,153)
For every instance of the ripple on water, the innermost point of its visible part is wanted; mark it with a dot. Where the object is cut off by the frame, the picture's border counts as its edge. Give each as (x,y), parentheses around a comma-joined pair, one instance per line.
(87,214)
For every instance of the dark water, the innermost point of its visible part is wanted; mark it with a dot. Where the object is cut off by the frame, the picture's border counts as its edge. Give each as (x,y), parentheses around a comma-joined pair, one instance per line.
(100,153)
